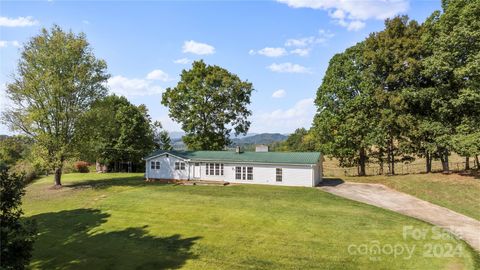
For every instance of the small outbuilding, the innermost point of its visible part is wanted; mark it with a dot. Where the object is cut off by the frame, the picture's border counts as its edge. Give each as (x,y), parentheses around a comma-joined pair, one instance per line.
(262,167)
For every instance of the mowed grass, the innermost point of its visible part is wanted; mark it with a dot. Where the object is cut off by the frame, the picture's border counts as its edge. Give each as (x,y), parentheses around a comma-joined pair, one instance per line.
(118,221)
(460,193)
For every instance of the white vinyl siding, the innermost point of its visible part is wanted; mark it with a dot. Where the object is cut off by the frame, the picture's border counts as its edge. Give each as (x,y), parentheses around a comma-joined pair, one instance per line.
(270,174)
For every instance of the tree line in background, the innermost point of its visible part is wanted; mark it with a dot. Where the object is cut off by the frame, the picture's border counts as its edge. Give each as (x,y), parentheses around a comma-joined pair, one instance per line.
(411,90)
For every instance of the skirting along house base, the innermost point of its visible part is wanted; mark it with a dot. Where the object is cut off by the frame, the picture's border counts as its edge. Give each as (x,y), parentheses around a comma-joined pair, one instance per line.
(259,167)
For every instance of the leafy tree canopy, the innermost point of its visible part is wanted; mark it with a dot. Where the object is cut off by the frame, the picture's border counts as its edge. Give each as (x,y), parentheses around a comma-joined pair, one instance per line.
(209,102)
(57,80)
(115,130)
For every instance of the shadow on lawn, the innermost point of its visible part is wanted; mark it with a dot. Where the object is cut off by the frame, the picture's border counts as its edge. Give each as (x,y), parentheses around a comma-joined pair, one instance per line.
(109,182)
(67,240)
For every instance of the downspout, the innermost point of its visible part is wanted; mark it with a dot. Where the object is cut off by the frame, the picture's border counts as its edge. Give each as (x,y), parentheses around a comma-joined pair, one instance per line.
(313,175)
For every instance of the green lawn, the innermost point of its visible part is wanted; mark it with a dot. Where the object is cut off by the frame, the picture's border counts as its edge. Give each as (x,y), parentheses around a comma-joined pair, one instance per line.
(117,221)
(453,191)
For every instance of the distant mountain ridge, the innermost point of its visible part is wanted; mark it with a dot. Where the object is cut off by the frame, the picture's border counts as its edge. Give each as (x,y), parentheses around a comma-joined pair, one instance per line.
(263,138)
(249,139)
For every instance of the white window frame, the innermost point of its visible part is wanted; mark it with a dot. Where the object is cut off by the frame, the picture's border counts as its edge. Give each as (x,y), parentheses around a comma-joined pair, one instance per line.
(243,173)
(179,166)
(238,173)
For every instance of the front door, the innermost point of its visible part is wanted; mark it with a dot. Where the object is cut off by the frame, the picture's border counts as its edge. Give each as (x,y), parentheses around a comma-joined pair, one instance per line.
(196,170)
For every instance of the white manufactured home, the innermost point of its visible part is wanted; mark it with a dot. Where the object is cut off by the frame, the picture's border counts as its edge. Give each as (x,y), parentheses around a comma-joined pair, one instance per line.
(259,167)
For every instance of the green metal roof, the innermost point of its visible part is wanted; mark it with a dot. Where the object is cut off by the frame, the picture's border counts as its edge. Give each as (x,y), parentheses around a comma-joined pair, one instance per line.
(253,157)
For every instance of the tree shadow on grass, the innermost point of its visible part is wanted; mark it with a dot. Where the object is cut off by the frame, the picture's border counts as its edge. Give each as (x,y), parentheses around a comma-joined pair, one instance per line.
(68,240)
(109,182)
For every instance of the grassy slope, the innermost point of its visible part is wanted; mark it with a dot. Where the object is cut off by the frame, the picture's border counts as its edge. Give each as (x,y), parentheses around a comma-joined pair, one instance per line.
(456,192)
(116,221)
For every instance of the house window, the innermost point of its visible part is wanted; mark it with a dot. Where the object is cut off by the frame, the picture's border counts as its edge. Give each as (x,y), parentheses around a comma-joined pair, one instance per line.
(157,165)
(249,173)
(244,173)
(212,169)
(238,173)
(206,169)
(279,174)
(152,165)
(180,166)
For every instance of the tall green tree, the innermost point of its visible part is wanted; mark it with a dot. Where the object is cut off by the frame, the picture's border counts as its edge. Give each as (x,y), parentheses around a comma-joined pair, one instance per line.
(115,130)
(58,78)
(393,60)
(453,37)
(209,102)
(343,124)
(161,137)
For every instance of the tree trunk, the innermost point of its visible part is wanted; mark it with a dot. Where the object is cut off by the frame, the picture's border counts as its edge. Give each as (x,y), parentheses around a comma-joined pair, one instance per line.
(467,163)
(362,161)
(380,158)
(476,160)
(391,157)
(58,176)
(444,159)
(428,158)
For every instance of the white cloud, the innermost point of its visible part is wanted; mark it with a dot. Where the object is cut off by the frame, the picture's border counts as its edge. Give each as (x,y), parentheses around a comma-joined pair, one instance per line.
(280,93)
(352,14)
(351,25)
(322,37)
(197,48)
(301,51)
(133,87)
(288,68)
(301,42)
(158,75)
(285,120)
(17,22)
(85,22)
(182,61)
(5,43)
(299,46)
(272,52)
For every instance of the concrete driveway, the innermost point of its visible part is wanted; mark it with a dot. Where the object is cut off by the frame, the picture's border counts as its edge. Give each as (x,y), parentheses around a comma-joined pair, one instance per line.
(460,225)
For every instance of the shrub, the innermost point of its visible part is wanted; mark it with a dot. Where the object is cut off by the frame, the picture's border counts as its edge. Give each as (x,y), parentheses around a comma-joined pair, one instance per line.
(25,168)
(81,166)
(16,236)
(69,167)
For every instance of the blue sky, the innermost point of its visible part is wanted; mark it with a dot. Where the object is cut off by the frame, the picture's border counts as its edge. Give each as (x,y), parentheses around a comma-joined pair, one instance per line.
(282,47)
